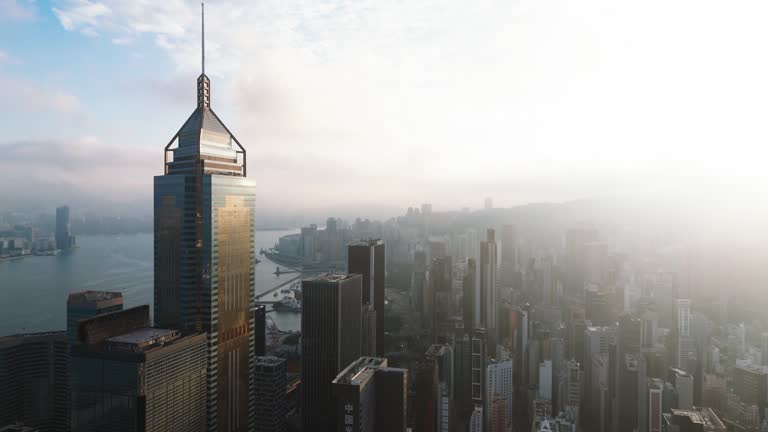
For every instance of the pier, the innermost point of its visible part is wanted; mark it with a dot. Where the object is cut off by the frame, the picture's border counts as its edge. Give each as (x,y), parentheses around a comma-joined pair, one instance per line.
(271,290)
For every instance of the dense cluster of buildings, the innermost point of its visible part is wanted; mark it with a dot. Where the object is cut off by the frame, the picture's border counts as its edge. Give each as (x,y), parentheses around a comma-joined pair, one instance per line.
(497,330)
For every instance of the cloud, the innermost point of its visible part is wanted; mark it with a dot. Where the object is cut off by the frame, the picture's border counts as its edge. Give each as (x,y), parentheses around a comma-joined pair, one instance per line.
(85,165)
(31,96)
(17,10)
(428,96)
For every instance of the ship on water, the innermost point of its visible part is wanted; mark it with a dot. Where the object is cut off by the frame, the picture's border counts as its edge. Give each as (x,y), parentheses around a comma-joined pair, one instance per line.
(288,304)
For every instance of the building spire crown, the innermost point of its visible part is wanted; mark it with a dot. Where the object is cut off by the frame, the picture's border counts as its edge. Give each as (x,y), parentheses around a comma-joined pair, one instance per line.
(203,83)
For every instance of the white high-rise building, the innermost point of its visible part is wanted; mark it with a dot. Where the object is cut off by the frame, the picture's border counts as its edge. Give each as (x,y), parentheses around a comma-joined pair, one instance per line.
(476,421)
(545,380)
(499,381)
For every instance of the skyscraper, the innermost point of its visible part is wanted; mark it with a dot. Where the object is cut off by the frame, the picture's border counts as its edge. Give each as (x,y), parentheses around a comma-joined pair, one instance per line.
(259,330)
(87,304)
(34,380)
(371,397)
(488,305)
(576,259)
(330,340)
(468,296)
(508,254)
(270,384)
(367,258)
(63,236)
(204,254)
(684,341)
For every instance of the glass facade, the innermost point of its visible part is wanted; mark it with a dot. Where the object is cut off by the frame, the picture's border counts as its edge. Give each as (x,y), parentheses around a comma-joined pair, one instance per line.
(204,280)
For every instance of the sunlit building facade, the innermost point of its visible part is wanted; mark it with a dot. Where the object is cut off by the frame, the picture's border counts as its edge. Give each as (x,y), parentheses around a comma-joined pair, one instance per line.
(205,255)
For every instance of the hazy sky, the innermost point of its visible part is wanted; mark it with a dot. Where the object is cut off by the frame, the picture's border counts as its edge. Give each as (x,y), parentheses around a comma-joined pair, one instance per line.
(355,102)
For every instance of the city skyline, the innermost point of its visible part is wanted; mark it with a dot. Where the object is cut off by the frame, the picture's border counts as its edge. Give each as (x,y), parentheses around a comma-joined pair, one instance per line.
(307,85)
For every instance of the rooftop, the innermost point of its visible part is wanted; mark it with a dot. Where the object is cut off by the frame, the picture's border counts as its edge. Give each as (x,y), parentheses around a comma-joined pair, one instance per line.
(330,277)
(360,370)
(142,336)
(700,415)
(367,242)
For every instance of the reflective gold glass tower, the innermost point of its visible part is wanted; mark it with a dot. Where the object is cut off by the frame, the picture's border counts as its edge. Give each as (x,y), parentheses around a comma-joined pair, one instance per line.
(205,253)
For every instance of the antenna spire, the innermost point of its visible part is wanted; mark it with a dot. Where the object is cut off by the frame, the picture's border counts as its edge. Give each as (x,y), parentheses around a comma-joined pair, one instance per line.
(202,10)
(203,83)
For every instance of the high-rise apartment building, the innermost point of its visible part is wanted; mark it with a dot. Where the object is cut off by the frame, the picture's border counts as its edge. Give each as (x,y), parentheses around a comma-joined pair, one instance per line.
(499,420)
(684,384)
(270,397)
(367,258)
(87,304)
(205,255)
(487,306)
(64,239)
(371,397)
(499,382)
(330,341)
(34,380)
(479,360)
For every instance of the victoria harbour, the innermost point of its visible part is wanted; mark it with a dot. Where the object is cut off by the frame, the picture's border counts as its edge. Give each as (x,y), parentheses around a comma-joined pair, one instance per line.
(36,287)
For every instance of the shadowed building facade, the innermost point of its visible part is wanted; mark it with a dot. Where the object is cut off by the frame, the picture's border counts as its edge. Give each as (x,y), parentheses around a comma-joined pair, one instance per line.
(330,341)
(367,258)
(34,380)
(204,255)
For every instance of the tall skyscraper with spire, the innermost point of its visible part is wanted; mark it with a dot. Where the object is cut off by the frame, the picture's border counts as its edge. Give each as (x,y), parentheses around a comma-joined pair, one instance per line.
(204,254)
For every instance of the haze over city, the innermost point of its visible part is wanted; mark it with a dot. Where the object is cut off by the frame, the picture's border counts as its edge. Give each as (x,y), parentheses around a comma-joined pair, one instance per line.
(411,216)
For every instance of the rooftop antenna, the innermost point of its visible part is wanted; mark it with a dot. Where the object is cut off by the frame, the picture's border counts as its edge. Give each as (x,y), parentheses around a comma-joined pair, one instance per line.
(202,9)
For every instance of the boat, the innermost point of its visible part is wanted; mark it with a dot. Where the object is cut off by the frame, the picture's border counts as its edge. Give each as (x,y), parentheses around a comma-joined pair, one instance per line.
(275,294)
(288,304)
(258,260)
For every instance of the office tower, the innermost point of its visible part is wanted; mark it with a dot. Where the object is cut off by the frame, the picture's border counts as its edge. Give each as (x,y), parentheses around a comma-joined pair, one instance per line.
(426,405)
(479,361)
(309,243)
(270,397)
(371,397)
(368,331)
(34,380)
(696,419)
(441,356)
(627,393)
(684,342)
(653,411)
(572,383)
(476,421)
(499,419)
(441,281)
(130,377)
(508,254)
(598,307)
(499,382)
(548,281)
(750,383)
(260,330)
(597,341)
(64,239)
(367,258)
(205,254)
(684,385)
(596,270)
(419,281)
(649,329)
(545,380)
(486,315)
(576,259)
(628,335)
(468,296)
(331,335)
(87,304)
(462,373)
